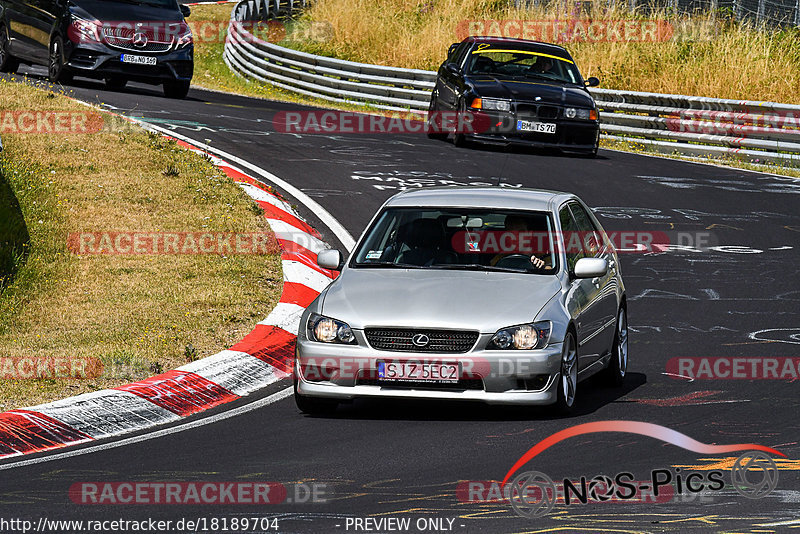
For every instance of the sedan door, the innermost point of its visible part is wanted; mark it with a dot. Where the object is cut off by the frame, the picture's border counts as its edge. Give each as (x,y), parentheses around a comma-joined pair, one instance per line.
(581,292)
(601,312)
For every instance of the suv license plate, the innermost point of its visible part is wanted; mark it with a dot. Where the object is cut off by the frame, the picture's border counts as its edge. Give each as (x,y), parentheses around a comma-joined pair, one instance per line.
(138,60)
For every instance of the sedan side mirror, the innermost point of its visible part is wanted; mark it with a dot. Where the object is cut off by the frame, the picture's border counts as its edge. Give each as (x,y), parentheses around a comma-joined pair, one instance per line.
(592,82)
(330,259)
(185,10)
(590,267)
(452,69)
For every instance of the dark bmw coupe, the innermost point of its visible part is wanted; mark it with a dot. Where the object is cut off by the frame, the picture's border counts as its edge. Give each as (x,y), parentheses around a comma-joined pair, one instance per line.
(514,91)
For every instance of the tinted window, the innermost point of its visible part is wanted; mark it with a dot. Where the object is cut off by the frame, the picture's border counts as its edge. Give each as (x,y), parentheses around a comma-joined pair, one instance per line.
(572,241)
(460,238)
(590,238)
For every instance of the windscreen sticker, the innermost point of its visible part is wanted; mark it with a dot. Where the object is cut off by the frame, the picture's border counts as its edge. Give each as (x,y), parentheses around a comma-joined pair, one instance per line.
(374,254)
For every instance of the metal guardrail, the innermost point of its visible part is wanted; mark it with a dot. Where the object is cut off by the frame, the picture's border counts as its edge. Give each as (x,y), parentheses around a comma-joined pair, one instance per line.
(691,125)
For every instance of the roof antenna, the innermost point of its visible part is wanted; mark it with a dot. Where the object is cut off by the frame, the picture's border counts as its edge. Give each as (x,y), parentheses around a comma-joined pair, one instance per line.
(503,168)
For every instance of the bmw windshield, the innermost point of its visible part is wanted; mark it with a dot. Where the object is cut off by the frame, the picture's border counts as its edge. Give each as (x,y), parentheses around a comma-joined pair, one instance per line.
(460,238)
(503,61)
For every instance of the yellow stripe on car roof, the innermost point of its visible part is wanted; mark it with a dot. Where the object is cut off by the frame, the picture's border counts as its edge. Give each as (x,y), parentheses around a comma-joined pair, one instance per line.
(485,50)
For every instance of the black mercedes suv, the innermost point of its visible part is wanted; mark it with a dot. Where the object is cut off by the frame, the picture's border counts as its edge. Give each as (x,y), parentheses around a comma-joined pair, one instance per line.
(114,40)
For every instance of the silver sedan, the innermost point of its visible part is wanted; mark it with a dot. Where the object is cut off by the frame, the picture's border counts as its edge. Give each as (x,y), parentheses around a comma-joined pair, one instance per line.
(500,295)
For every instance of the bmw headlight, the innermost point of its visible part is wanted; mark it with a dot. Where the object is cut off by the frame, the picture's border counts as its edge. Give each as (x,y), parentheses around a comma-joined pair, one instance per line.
(491,104)
(580,113)
(523,337)
(327,330)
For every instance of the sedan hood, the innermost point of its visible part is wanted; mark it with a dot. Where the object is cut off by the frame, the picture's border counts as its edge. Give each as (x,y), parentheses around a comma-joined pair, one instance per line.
(473,300)
(106,11)
(528,89)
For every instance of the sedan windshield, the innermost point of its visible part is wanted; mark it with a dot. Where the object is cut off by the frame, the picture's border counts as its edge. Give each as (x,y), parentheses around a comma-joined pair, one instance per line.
(523,63)
(460,238)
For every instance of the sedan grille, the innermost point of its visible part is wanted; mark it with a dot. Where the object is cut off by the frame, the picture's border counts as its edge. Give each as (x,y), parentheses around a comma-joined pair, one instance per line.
(402,340)
(536,111)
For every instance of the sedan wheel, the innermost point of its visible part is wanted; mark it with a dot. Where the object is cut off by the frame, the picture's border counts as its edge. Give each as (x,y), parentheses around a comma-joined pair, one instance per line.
(459,139)
(618,366)
(568,380)
(313,405)
(433,130)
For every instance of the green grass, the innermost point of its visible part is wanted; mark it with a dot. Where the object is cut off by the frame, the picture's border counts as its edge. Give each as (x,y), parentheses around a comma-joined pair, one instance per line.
(137,314)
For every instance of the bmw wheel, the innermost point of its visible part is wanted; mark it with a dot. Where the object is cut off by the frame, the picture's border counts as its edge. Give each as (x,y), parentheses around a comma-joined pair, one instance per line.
(459,139)
(434,131)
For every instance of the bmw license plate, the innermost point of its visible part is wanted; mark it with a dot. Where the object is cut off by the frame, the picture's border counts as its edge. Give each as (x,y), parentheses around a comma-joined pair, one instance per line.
(138,60)
(419,371)
(533,126)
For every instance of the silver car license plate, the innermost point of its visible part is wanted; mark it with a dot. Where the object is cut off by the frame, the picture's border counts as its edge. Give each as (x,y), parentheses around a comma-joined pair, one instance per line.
(138,60)
(533,126)
(441,372)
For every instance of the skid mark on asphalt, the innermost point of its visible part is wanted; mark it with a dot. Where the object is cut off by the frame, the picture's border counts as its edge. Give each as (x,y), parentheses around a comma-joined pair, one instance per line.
(726,463)
(690,399)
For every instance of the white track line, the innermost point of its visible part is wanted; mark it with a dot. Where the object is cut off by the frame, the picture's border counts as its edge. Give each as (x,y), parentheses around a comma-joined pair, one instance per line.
(266,401)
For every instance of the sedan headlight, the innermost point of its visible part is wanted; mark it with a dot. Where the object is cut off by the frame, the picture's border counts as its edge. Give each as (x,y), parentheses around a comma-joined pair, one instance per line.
(491,104)
(327,330)
(523,337)
(580,113)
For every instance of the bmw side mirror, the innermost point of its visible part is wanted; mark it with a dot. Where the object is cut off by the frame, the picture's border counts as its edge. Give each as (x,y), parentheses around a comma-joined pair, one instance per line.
(330,259)
(451,68)
(592,82)
(185,11)
(590,268)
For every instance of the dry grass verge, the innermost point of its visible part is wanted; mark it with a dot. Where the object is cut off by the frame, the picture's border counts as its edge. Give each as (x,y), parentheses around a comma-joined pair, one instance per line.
(706,55)
(139,314)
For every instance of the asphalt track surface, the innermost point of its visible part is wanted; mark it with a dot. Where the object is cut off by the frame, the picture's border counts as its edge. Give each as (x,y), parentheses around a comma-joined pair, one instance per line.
(390,459)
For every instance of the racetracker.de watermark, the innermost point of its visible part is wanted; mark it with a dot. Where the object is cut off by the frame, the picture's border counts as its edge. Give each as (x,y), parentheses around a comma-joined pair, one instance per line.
(570,30)
(138,34)
(350,122)
(50,122)
(222,243)
(197,492)
(38,368)
(734,368)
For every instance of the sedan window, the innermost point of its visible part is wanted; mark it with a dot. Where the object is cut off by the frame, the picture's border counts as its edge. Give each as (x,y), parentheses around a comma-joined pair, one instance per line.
(460,238)
(589,235)
(572,243)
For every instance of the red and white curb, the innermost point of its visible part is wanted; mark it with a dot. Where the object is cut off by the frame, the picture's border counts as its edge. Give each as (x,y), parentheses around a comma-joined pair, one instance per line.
(263,357)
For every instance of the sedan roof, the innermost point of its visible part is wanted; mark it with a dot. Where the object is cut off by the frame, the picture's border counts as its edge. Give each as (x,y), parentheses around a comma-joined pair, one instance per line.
(481,197)
(522,43)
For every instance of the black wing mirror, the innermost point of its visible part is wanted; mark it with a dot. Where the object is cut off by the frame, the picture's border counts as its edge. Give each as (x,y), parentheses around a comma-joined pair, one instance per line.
(185,11)
(592,82)
(452,69)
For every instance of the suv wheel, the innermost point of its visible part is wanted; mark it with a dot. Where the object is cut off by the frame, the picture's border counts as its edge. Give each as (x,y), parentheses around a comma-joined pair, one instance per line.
(116,83)
(56,71)
(8,63)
